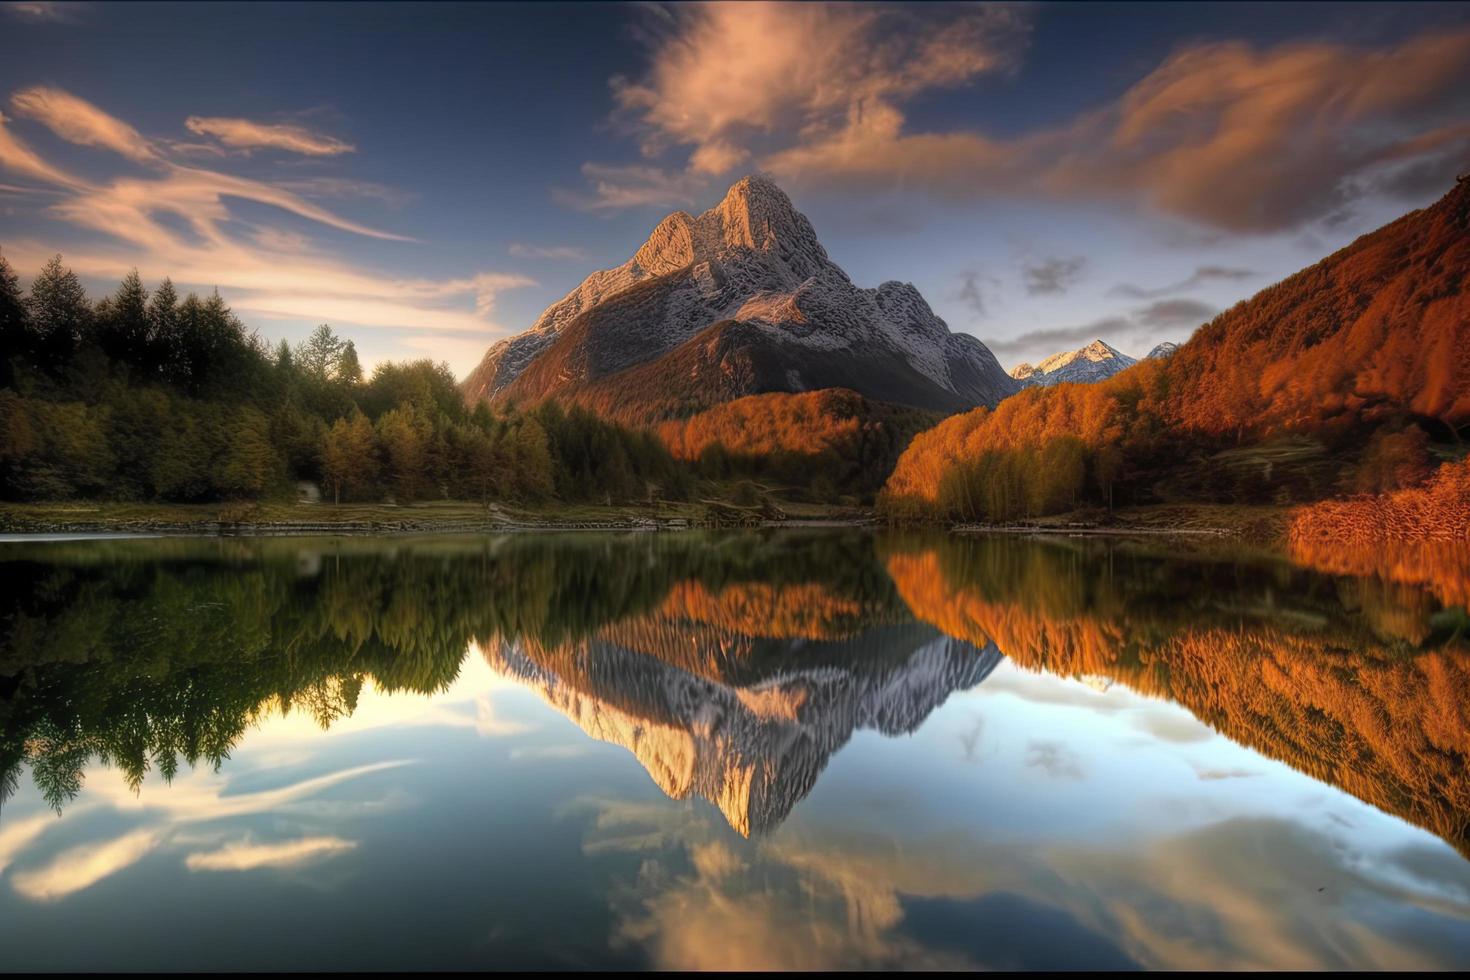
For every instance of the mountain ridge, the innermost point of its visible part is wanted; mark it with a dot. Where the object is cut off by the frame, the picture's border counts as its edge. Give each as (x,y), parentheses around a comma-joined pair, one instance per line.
(1092,362)
(742,299)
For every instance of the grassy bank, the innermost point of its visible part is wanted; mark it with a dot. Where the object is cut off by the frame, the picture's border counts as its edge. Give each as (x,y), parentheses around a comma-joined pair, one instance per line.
(90,517)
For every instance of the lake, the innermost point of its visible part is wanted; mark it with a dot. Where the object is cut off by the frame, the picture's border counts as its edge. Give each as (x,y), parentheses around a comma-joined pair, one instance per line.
(784,749)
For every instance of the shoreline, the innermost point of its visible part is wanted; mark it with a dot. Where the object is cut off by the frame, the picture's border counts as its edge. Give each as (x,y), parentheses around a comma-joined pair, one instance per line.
(43,522)
(71,521)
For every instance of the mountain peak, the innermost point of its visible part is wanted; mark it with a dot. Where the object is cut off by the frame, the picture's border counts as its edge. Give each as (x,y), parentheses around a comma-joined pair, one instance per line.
(1093,362)
(774,312)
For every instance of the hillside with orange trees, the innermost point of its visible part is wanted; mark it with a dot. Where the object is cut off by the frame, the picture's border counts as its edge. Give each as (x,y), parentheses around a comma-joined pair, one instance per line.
(1287,397)
(1359,685)
(833,438)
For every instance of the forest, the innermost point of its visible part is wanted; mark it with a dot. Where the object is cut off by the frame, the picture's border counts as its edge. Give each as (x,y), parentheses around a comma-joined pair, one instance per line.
(1347,379)
(152,396)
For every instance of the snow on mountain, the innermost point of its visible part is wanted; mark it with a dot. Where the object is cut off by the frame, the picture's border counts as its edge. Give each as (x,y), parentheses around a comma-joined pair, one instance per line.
(753,748)
(1094,362)
(750,279)
(1165,349)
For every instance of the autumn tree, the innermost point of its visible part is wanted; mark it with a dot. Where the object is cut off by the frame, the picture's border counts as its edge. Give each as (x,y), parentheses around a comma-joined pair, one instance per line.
(350,456)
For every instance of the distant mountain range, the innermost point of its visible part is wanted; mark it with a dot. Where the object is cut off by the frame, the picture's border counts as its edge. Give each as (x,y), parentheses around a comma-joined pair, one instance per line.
(1095,362)
(740,300)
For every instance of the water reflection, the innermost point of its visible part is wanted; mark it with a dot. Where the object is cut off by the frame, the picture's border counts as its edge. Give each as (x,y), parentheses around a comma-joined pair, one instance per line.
(285,691)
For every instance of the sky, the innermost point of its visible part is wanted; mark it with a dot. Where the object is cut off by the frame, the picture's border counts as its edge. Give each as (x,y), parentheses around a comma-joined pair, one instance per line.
(428,177)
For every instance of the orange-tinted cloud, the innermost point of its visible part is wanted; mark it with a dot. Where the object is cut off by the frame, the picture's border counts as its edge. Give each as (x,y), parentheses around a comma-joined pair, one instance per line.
(177,220)
(1227,135)
(243,134)
(80,122)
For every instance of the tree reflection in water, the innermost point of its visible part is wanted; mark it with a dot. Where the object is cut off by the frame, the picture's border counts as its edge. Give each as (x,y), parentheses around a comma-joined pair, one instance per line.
(732,665)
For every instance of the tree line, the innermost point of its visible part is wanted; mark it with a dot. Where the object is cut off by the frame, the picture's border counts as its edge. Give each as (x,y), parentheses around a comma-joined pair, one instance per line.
(144,395)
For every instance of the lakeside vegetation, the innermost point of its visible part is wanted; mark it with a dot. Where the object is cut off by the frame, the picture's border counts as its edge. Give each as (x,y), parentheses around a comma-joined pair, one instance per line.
(148,397)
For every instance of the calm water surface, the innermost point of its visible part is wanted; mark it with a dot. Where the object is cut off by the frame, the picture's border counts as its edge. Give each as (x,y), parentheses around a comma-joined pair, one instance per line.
(785,749)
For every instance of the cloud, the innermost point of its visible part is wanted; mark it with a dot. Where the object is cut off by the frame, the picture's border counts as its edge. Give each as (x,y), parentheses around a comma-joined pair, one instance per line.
(1054,759)
(245,856)
(180,221)
(614,188)
(1052,276)
(1167,313)
(728,71)
(78,121)
(1143,325)
(523,251)
(243,134)
(727,79)
(1062,338)
(1201,276)
(977,291)
(1225,135)
(42,10)
(84,866)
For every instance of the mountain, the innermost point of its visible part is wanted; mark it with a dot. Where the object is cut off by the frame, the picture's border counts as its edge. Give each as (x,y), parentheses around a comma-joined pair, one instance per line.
(1349,373)
(755,745)
(1094,362)
(1161,351)
(740,300)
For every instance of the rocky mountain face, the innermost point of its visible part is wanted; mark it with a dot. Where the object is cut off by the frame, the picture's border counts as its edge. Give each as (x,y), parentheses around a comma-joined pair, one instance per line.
(739,300)
(1161,351)
(1094,362)
(751,740)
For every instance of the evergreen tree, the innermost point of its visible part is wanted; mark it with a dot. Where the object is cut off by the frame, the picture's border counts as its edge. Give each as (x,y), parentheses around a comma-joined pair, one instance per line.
(59,312)
(163,327)
(252,467)
(349,369)
(531,461)
(349,457)
(123,330)
(15,332)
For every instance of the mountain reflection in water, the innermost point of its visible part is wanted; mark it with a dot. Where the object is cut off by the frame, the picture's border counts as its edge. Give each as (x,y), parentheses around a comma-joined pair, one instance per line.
(734,667)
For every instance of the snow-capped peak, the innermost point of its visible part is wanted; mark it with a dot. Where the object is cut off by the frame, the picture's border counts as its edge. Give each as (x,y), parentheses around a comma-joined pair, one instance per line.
(1094,362)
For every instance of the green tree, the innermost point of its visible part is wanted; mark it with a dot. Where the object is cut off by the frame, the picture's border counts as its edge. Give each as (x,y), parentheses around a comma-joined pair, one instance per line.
(59,312)
(404,435)
(350,456)
(15,329)
(349,368)
(531,461)
(123,330)
(318,355)
(251,465)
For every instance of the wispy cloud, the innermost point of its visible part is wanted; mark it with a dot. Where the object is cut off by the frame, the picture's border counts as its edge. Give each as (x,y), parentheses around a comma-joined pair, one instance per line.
(977,292)
(244,134)
(1201,276)
(1053,339)
(245,856)
(43,10)
(80,122)
(614,188)
(1230,135)
(523,251)
(82,867)
(1052,276)
(1166,313)
(178,220)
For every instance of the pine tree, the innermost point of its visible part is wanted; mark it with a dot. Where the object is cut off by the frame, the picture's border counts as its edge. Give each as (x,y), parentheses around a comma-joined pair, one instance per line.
(123,327)
(349,369)
(15,330)
(59,312)
(163,327)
